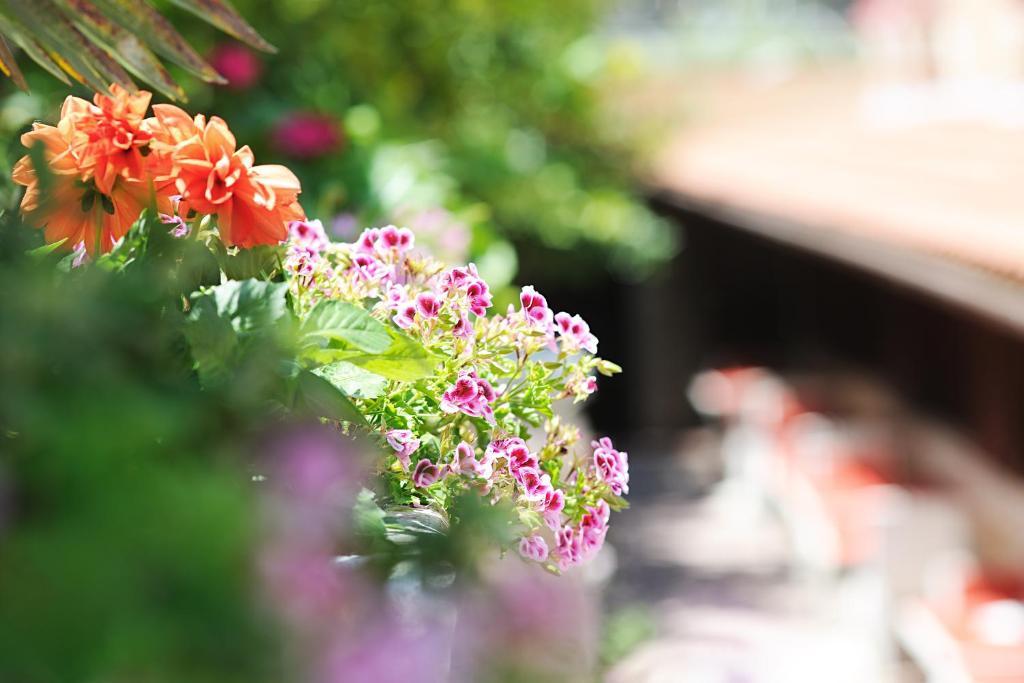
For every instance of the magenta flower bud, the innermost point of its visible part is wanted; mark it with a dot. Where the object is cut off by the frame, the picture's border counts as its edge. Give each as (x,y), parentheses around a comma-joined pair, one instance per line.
(426,473)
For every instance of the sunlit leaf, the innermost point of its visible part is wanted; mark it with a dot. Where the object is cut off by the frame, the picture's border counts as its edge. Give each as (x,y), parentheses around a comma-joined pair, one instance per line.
(320,398)
(353,380)
(98,42)
(346,322)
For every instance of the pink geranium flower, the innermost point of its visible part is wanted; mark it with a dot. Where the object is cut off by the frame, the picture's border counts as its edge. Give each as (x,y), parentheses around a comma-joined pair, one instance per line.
(471,395)
(426,473)
(535,307)
(428,305)
(575,333)
(533,548)
(611,465)
(464,462)
(309,234)
(404,443)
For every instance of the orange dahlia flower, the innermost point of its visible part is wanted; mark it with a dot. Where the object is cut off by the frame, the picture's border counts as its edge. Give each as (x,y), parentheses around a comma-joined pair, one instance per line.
(253,204)
(107,135)
(73,209)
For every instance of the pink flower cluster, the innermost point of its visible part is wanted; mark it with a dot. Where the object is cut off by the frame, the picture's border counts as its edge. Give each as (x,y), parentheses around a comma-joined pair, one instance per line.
(466,287)
(491,376)
(471,395)
(385,242)
(580,542)
(465,462)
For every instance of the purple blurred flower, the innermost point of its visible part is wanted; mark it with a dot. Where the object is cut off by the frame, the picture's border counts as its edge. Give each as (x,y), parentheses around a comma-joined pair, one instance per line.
(238,64)
(344,225)
(176,225)
(306,135)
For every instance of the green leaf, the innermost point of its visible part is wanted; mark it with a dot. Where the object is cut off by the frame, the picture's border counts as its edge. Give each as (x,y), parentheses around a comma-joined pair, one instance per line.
(404,360)
(124,45)
(320,398)
(250,304)
(367,516)
(76,55)
(221,14)
(158,33)
(353,380)
(346,322)
(222,317)
(257,262)
(46,249)
(212,339)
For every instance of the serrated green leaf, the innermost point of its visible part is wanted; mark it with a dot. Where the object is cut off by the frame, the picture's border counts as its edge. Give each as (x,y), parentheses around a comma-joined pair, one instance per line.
(352,380)
(346,322)
(320,398)
(250,304)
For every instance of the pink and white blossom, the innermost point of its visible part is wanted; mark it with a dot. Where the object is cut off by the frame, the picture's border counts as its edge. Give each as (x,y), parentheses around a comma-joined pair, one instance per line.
(464,461)
(428,305)
(309,234)
(534,483)
(533,548)
(535,308)
(611,465)
(574,333)
(471,395)
(404,443)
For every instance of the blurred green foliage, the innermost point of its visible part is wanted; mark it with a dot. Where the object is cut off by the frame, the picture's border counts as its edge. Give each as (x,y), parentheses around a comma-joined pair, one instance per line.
(488,109)
(126,526)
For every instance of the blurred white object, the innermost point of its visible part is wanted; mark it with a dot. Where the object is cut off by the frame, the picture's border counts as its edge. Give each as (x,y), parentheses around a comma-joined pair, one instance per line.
(999,623)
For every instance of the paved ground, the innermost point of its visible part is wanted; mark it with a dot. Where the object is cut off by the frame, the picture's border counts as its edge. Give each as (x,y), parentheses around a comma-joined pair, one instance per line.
(712,566)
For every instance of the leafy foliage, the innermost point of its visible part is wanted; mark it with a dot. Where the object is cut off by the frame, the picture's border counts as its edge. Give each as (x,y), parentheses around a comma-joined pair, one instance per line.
(99,42)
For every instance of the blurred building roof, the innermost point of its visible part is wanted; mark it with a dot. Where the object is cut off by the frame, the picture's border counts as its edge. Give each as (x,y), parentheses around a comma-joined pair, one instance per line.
(923,184)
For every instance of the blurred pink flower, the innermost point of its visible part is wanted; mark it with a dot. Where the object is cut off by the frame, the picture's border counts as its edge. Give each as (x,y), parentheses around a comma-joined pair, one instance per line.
(533,548)
(238,64)
(308,234)
(306,135)
(404,442)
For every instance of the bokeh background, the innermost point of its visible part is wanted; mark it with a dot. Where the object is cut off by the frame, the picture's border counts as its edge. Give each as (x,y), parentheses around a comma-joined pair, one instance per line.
(797,224)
